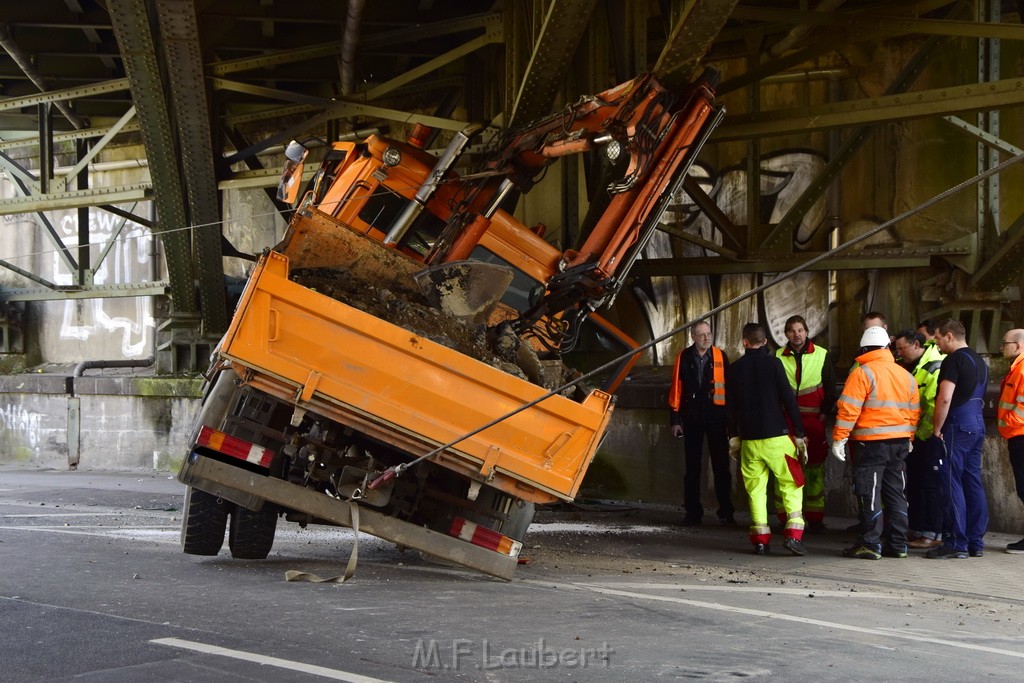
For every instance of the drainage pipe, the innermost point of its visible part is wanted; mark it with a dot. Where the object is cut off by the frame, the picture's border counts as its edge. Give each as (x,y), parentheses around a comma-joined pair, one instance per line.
(74,429)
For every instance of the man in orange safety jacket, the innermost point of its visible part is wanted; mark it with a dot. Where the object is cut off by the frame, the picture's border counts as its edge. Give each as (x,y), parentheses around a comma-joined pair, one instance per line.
(1010,414)
(697,412)
(879,409)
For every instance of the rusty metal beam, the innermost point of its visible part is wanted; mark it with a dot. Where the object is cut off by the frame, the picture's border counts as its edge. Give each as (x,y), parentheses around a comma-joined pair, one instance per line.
(1004,266)
(191,113)
(865,259)
(886,25)
(918,104)
(553,50)
(690,39)
(132,28)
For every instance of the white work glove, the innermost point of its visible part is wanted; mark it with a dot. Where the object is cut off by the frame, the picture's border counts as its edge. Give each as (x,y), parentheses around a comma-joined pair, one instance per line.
(801,449)
(734,447)
(911,448)
(839,450)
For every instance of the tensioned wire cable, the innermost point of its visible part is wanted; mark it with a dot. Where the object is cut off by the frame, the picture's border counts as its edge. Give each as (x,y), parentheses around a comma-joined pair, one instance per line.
(397,470)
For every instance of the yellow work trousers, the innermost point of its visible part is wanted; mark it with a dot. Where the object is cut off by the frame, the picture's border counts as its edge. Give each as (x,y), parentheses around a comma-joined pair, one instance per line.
(776,455)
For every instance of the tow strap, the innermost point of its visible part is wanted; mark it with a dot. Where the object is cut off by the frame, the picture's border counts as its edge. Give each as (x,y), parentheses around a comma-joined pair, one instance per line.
(353,558)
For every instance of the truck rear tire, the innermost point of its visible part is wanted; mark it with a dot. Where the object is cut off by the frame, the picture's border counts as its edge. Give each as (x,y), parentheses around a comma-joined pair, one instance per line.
(251,535)
(203,523)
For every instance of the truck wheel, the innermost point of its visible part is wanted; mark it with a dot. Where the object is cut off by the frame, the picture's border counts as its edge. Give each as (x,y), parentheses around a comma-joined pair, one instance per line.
(252,533)
(203,524)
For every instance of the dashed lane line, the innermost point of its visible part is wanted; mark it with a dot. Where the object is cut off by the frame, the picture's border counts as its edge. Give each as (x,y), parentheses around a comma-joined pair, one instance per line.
(884,633)
(334,674)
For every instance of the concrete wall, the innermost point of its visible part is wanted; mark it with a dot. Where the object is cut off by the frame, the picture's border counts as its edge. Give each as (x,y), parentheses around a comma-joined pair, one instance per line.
(131,422)
(639,460)
(125,422)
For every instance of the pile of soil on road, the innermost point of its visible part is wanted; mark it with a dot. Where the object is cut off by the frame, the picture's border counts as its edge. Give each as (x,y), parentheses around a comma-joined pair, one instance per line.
(498,347)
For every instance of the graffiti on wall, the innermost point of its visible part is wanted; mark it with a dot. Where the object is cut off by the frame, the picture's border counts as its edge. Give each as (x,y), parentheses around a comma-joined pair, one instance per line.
(20,427)
(130,260)
(667,302)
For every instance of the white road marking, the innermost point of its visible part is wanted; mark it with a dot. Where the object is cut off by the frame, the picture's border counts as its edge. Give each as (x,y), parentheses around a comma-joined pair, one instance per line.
(70,514)
(335,674)
(745,589)
(881,632)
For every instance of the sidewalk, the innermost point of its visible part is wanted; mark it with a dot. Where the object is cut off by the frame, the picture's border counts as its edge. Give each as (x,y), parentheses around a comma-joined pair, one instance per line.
(640,539)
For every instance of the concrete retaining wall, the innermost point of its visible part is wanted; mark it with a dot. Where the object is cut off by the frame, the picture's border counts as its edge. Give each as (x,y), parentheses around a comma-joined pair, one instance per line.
(131,422)
(123,422)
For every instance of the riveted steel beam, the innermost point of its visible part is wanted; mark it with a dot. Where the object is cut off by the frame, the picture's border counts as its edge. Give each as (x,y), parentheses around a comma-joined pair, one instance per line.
(69,136)
(406,36)
(553,50)
(461,51)
(58,293)
(918,104)
(865,259)
(887,25)
(95,149)
(27,184)
(131,24)
(116,85)
(180,46)
(690,39)
(1004,267)
(76,198)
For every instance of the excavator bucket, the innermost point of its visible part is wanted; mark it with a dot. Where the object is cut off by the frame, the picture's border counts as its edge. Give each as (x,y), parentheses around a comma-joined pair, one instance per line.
(465,290)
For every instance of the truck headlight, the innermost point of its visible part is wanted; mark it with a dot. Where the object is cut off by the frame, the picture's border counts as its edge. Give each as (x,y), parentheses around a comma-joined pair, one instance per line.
(392,157)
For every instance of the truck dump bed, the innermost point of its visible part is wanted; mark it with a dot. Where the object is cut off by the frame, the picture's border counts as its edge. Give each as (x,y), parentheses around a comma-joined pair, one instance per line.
(400,388)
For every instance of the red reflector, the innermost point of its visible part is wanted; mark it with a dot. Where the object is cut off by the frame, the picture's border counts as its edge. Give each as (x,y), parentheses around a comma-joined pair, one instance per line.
(235,447)
(484,537)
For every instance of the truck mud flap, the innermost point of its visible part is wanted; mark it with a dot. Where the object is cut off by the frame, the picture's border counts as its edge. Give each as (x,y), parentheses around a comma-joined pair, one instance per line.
(337,511)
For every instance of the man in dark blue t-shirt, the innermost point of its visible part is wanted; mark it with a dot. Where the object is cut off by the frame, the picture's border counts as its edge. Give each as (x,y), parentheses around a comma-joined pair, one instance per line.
(960,427)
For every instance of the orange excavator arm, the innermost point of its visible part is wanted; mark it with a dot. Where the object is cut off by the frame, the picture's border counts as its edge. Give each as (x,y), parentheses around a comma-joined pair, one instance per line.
(660,133)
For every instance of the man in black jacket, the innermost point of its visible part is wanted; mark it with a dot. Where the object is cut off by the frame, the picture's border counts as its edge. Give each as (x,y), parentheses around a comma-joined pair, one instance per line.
(759,392)
(697,403)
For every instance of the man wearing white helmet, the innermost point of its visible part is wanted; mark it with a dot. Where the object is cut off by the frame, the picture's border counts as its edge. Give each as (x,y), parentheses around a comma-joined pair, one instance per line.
(878,409)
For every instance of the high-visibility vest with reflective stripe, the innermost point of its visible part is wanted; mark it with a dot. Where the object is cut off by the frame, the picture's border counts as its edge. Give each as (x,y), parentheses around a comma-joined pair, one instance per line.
(675,394)
(810,393)
(1010,411)
(926,374)
(879,401)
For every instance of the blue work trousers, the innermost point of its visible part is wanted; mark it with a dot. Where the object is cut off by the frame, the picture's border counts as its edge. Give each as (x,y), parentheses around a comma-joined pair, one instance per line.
(966,516)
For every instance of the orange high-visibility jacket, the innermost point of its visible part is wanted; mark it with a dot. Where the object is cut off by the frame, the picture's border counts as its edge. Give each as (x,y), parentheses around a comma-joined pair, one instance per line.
(675,394)
(879,401)
(1010,413)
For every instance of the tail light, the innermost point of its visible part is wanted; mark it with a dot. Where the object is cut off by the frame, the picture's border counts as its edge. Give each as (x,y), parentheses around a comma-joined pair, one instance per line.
(484,537)
(235,447)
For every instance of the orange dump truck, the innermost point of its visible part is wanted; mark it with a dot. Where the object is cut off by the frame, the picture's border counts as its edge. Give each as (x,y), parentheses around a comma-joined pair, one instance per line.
(316,400)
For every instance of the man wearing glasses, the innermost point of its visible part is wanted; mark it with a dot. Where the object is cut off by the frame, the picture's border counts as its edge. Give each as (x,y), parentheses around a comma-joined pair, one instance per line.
(697,403)
(1010,414)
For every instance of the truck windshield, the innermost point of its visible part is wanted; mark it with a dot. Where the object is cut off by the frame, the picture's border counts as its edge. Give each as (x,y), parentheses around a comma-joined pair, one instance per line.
(596,344)
(524,291)
(384,207)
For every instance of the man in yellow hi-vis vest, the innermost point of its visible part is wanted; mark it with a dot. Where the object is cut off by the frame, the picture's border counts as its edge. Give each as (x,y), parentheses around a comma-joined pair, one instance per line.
(697,404)
(812,377)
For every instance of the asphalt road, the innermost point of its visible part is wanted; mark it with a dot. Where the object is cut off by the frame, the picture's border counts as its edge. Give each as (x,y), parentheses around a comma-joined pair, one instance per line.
(93,587)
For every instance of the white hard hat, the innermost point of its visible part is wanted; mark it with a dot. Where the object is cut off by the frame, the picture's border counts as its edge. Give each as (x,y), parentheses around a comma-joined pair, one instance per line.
(874,336)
